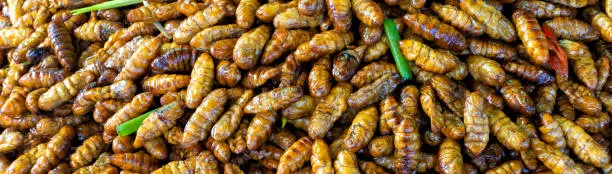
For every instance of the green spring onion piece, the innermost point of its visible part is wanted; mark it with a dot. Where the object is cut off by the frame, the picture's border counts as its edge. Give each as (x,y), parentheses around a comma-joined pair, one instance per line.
(283,121)
(105,5)
(132,125)
(161,29)
(400,61)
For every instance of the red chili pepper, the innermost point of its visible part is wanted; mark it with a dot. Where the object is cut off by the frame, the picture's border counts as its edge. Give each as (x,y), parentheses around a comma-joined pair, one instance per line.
(557,59)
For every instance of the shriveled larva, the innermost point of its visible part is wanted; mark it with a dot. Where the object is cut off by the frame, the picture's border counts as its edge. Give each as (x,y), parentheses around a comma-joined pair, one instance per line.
(267,12)
(517,97)
(281,41)
(486,70)
(139,104)
(291,19)
(57,148)
(137,64)
(205,115)
(429,59)
(97,30)
(570,28)
(195,23)
(295,156)
(249,47)
(441,34)
(486,14)
(158,122)
(62,45)
(506,131)
(87,152)
(273,100)
(174,61)
(322,44)
(204,39)
(135,162)
(153,12)
(599,21)
(223,49)
(229,121)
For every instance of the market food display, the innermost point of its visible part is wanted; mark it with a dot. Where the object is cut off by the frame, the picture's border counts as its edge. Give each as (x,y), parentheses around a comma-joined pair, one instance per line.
(305,86)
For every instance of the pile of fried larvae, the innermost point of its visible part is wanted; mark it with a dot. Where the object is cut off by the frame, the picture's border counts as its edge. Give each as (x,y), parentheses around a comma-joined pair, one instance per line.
(306,86)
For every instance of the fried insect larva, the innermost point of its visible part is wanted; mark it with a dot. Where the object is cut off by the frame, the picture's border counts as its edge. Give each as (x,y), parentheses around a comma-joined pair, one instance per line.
(139,104)
(136,29)
(381,146)
(42,78)
(532,36)
(260,129)
(486,70)
(259,76)
(449,157)
(339,12)
(283,40)
(506,131)
(134,162)
(228,73)
(476,123)
(545,98)
(57,148)
(543,9)
(330,110)
(369,167)
(158,122)
(205,115)
(201,81)
(273,100)
(249,47)
(229,121)
(85,101)
(551,132)
(62,45)
(570,28)
(10,139)
(195,23)
(429,59)
(580,97)
(174,61)
(123,144)
(599,21)
(118,59)
(368,12)
(153,12)
(50,126)
(554,159)
(458,19)
(453,126)
(407,145)
(495,24)
(322,44)
(529,72)
(220,149)
(223,49)
(362,129)
(25,161)
(16,70)
(514,166)
(432,108)
(164,83)
(65,90)
(34,18)
(492,49)
(295,156)
(87,152)
(346,63)
(204,38)
(206,163)
(14,36)
(346,162)
(15,104)
(376,50)
(267,12)
(374,92)
(300,108)
(372,72)
(245,13)
(19,55)
(441,34)
(283,138)
(31,100)
(136,66)
(370,35)
(565,108)
(183,166)
(595,123)
(517,98)
(97,30)
(603,72)
(24,122)
(292,19)
(582,62)
(319,83)
(157,148)
(450,92)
